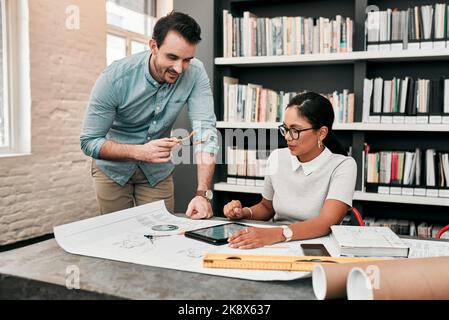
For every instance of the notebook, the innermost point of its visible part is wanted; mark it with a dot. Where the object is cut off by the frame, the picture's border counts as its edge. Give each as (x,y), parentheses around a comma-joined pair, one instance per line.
(368,242)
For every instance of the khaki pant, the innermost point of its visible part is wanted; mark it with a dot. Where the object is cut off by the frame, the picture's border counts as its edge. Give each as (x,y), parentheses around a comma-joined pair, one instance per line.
(113,197)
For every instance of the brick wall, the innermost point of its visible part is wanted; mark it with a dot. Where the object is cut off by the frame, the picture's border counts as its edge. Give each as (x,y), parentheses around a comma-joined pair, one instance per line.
(2,135)
(53,185)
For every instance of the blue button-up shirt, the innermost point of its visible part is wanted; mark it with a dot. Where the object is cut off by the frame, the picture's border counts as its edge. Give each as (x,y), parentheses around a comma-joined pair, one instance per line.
(128,106)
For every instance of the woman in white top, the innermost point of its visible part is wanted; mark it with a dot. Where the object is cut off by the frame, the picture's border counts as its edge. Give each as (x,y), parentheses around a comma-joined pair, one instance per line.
(309,185)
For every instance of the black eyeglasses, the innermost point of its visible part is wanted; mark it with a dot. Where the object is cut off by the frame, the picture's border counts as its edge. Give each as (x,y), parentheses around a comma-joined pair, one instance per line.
(294,133)
(186,141)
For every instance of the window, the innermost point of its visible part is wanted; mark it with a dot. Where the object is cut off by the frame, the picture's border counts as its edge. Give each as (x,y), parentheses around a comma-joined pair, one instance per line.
(15,93)
(3,138)
(130,25)
(137,46)
(116,48)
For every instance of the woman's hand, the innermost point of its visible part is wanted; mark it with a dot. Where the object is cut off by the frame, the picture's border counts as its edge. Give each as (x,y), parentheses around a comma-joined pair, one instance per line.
(251,238)
(233,210)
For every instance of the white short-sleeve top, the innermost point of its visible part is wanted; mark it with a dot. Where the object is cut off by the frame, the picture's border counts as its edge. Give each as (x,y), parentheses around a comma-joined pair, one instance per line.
(298,190)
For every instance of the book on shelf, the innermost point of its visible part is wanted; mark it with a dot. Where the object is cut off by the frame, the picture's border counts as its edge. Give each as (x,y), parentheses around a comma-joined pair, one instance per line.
(425,230)
(343,104)
(250,35)
(368,242)
(227,81)
(407,100)
(246,167)
(418,173)
(231,162)
(253,103)
(403,227)
(242,162)
(417,27)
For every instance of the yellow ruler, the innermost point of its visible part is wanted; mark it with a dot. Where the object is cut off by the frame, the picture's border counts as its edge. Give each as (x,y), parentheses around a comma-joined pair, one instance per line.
(259,262)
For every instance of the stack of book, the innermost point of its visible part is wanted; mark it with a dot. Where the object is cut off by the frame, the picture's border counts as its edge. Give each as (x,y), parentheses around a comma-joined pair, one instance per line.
(419,27)
(343,104)
(401,227)
(419,173)
(425,230)
(253,103)
(368,242)
(246,167)
(406,101)
(407,227)
(250,35)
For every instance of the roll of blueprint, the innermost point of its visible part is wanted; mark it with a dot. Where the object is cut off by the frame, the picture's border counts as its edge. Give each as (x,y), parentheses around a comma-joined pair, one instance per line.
(404,279)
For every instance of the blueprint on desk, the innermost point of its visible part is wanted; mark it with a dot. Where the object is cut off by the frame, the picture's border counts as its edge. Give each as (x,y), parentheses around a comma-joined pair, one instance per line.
(120,236)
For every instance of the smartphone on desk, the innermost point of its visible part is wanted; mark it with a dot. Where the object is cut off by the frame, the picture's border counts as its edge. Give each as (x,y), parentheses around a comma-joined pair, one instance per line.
(314,249)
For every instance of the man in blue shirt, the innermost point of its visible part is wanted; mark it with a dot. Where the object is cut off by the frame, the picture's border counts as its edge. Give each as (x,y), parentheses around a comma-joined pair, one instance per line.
(131,111)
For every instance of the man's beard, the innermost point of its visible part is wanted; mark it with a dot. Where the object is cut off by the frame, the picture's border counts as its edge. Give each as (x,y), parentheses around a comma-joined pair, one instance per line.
(173,74)
(161,74)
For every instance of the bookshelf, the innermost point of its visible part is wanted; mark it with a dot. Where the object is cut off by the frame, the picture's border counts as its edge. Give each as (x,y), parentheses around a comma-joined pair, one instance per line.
(343,126)
(223,186)
(366,196)
(326,73)
(359,195)
(336,58)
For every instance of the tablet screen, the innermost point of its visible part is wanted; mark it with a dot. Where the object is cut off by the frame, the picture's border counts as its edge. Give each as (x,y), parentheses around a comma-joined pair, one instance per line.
(216,234)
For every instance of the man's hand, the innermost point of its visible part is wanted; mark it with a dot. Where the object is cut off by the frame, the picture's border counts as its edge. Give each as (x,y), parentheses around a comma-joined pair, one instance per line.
(156,151)
(199,208)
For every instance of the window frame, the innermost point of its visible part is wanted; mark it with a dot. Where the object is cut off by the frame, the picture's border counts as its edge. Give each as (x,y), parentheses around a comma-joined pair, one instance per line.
(128,35)
(16,78)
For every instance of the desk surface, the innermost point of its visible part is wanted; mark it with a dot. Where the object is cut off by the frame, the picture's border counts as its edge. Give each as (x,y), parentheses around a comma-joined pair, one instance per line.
(39,272)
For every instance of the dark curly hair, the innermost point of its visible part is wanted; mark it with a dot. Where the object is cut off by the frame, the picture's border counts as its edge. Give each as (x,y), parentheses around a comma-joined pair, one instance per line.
(180,22)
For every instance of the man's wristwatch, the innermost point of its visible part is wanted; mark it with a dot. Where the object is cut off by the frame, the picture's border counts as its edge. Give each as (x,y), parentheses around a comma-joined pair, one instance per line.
(287,233)
(208,194)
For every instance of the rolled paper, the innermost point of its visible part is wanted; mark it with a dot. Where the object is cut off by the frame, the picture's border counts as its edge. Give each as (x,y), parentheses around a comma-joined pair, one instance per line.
(408,279)
(329,281)
(424,278)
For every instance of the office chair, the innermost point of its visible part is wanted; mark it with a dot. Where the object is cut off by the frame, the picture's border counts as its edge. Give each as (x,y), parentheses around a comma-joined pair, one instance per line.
(356,218)
(443,230)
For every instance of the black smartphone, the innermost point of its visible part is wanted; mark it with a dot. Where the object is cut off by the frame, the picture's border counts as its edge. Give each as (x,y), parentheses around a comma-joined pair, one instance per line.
(314,249)
(216,235)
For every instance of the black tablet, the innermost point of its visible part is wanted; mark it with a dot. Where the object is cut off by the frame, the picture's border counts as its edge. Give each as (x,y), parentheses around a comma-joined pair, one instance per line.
(216,235)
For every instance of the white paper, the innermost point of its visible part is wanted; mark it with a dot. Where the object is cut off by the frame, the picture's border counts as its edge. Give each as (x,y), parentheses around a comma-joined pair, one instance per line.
(427,248)
(120,236)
